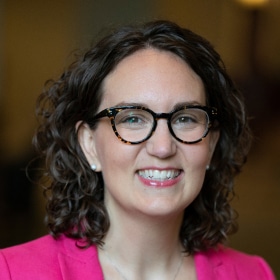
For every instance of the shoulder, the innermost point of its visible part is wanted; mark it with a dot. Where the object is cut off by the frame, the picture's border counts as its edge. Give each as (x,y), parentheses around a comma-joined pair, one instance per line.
(227,263)
(40,248)
(45,258)
(33,256)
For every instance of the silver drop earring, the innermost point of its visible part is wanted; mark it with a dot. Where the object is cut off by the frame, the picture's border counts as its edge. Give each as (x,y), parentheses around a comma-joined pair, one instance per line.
(93,167)
(207,167)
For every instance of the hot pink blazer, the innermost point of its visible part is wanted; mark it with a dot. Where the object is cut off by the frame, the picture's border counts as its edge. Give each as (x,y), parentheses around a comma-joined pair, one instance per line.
(50,259)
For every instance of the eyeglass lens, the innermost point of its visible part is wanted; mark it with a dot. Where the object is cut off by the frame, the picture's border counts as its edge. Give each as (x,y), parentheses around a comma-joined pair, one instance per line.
(135,125)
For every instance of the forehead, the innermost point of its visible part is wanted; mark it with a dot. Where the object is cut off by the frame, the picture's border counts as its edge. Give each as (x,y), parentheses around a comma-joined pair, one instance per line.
(152,76)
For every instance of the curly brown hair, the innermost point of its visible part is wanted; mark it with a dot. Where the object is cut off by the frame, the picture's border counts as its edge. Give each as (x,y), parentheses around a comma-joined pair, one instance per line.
(75,193)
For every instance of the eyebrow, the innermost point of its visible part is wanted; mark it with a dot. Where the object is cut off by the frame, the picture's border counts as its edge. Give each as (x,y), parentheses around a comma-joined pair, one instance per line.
(176,106)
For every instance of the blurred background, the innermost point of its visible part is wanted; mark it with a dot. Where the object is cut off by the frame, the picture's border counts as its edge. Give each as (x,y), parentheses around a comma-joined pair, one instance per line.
(36,41)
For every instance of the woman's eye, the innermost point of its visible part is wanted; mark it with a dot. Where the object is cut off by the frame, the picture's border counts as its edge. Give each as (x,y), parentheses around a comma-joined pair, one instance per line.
(186,120)
(132,120)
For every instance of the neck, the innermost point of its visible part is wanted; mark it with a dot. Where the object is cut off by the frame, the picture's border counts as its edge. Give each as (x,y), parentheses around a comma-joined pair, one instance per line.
(144,245)
(150,232)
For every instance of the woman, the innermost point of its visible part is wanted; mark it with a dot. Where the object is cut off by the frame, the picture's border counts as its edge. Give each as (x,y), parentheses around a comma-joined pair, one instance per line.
(142,137)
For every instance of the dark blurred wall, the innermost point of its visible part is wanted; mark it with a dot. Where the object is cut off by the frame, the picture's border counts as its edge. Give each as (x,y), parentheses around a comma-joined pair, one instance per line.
(37,38)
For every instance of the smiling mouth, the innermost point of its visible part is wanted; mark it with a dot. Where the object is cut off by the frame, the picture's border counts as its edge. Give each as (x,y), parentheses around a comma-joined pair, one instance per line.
(159,175)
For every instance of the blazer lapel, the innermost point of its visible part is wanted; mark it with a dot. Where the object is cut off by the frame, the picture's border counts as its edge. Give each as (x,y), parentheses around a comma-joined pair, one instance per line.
(210,265)
(76,269)
(204,268)
(76,263)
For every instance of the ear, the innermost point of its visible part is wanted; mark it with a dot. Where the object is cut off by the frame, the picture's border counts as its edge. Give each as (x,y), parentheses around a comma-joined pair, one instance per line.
(214,137)
(87,143)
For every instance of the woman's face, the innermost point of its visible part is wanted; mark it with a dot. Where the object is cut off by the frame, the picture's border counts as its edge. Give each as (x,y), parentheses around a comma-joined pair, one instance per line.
(160,81)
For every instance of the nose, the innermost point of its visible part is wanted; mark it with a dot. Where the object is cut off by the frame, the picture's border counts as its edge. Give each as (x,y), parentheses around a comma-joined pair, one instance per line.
(161,144)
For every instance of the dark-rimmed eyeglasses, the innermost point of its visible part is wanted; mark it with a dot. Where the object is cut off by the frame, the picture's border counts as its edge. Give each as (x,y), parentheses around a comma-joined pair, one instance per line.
(136,124)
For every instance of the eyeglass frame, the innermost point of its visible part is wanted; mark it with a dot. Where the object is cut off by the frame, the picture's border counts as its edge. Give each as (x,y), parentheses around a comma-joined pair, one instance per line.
(111,113)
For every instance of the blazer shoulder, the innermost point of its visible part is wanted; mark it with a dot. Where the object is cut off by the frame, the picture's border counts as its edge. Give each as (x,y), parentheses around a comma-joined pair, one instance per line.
(45,258)
(36,255)
(242,265)
(32,248)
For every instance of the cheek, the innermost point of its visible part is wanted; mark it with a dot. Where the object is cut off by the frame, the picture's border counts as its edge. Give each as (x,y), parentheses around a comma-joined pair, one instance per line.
(114,156)
(106,143)
(198,155)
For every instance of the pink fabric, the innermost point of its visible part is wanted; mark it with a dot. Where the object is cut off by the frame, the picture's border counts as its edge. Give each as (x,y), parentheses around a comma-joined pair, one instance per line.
(49,259)
(228,264)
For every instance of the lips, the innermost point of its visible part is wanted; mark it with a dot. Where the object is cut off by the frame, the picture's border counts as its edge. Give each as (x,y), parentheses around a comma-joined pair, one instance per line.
(159,175)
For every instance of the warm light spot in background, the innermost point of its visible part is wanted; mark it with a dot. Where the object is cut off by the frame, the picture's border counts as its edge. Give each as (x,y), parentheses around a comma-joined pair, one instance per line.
(253,3)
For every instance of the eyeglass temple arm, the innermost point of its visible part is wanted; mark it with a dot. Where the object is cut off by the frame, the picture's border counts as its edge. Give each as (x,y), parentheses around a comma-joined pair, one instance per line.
(104,113)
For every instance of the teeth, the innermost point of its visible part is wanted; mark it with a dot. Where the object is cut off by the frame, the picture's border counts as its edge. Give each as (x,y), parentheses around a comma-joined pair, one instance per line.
(159,174)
